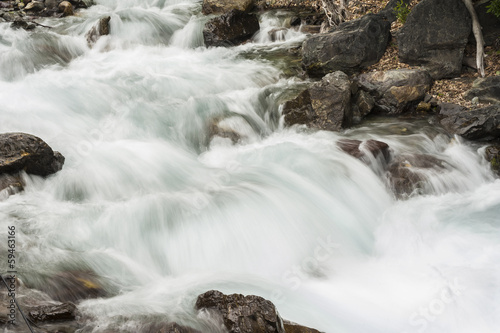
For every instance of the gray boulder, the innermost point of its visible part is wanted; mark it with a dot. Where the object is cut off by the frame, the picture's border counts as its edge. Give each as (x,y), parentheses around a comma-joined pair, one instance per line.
(434,36)
(230,29)
(395,90)
(487,90)
(479,124)
(325,104)
(354,45)
(20,151)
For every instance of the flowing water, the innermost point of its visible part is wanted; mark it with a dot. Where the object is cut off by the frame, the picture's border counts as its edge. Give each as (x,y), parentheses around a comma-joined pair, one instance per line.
(163,210)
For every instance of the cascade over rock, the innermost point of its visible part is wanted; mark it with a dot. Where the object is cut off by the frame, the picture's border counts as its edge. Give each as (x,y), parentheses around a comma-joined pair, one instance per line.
(325,104)
(20,151)
(231,28)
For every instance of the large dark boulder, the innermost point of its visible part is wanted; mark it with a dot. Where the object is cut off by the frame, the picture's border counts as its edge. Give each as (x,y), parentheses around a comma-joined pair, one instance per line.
(487,89)
(354,45)
(242,314)
(20,151)
(325,104)
(230,29)
(225,6)
(479,124)
(396,90)
(247,314)
(434,36)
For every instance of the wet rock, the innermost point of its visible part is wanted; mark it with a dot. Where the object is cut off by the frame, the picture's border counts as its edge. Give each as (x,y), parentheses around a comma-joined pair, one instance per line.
(296,328)
(242,314)
(230,29)
(407,173)
(360,149)
(299,110)
(65,8)
(101,28)
(50,313)
(277,34)
(424,107)
(81,3)
(492,154)
(35,6)
(434,36)
(479,124)
(225,6)
(20,151)
(10,185)
(396,90)
(354,45)
(217,128)
(11,16)
(73,286)
(325,104)
(52,5)
(169,328)
(310,29)
(20,23)
(487,89)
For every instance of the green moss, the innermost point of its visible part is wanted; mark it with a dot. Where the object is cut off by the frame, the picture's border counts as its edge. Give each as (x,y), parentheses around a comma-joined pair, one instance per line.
(495,163)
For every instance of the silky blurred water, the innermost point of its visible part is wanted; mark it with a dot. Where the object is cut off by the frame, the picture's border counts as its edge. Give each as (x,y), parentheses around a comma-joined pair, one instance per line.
(156,203)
